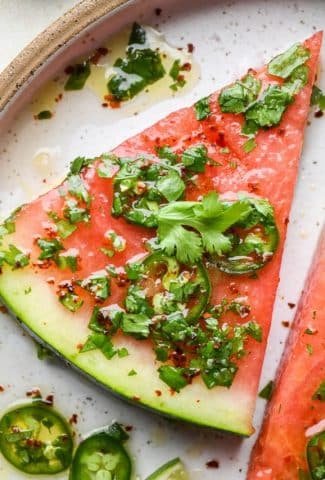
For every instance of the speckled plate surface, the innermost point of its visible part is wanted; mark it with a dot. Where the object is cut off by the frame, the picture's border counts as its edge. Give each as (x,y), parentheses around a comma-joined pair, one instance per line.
(228,37)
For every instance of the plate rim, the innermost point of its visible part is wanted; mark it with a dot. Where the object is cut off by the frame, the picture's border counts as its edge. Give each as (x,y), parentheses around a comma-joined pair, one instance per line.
(30,60)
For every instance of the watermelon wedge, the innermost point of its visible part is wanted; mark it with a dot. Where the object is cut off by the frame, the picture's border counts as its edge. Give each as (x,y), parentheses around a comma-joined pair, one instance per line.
(181,330)
(296,413)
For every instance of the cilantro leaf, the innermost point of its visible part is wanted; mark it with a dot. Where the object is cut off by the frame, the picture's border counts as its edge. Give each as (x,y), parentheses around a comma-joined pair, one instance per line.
(78,77)
(249,145)
(237,97)
(267,391)
(182,243)
(173,376)
(195,158)
(318,98)
(268,111)
(284,64)
(207,219)
(171,186)
(202,108)
(297,80)
(320,393)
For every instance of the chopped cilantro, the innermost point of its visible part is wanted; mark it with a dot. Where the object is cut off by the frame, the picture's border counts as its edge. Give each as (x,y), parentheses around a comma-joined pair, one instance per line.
(44,115)
(14,257)
(71,301)
(318,98)
(138,36)
(78,77)
(202,108)
(75,214)
(141,67)
(107,251)
(166,153)
(107,166)
(297,80)
(78,189)
(249,145)
(49,247)
(98,284)
(320,393)
(122,352)
(268,110)
(171,186)
(173,376)
(237,97)
(78,164)
(134,270)
(132,373)
(174,73)
(309,348)
(267,391)
(195,158)
(43,352)
(284,64)
(67,260)
(136,324)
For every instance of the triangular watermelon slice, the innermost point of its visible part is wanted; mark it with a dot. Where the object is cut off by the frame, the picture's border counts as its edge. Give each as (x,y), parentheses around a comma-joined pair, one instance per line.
(175,344)
(292,441)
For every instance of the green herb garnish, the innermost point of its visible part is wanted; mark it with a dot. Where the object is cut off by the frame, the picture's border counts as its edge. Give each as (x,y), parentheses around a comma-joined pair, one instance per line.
(318,98)
(49,247)
(78,77)
(207,219)
(267,391)
(284,64)
(320,393)
(44,115)
(141,67)
(202,108)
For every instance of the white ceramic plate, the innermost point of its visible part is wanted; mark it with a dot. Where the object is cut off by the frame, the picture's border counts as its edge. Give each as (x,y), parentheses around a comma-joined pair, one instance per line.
(228,37)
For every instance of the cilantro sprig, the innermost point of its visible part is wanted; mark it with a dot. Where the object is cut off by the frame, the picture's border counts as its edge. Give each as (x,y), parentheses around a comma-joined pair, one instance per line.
(187,229)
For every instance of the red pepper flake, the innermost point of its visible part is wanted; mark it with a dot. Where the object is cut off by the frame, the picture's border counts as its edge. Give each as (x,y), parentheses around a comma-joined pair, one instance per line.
(3,309)
(50,399)
(158,11)
(35,392)
(79,346)
(198,401)
(112,101)
(221,140)
(253,187)
(187,67)
(50,280)
(207,315)
(158,393)
(129,428)
(190,47)
(2,388)
(105,105)
(233,288)
(286,221)
(285,323)
(73,420)
(100,52)
(291,305)
(69,69)
(122,279)
(136,398)
(318,114)
(212,464)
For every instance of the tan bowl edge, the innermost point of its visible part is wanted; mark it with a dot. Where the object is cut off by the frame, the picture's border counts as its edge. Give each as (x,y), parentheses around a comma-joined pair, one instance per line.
(32,57)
